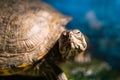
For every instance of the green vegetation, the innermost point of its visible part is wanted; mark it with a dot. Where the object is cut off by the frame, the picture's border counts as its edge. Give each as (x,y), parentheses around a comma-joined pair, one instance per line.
(96,70)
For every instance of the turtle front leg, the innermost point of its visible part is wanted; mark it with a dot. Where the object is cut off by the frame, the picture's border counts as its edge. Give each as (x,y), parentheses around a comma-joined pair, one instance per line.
(72,42)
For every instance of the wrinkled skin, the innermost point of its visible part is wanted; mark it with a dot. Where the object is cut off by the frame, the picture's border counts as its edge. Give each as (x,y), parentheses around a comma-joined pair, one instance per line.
(72,42)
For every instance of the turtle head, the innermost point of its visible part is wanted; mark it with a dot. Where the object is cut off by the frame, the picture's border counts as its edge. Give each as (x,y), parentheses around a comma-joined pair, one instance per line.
(71,43)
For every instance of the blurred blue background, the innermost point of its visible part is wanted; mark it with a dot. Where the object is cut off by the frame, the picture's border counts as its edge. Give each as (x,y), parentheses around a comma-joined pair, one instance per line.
(100,21)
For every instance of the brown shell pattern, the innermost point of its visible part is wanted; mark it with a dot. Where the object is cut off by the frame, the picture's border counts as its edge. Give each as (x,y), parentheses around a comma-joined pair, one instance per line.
(28,30)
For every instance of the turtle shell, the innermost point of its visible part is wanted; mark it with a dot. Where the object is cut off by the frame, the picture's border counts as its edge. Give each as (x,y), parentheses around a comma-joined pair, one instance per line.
(28,30)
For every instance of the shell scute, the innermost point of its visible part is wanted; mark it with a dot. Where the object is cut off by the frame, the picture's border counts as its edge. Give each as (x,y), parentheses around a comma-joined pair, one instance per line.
(27,28)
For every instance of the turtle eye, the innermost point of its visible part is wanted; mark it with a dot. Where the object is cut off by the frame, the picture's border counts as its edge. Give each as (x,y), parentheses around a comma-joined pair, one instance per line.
(76,31)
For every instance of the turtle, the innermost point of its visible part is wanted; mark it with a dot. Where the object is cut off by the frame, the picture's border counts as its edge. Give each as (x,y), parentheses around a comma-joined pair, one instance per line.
(34,40)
